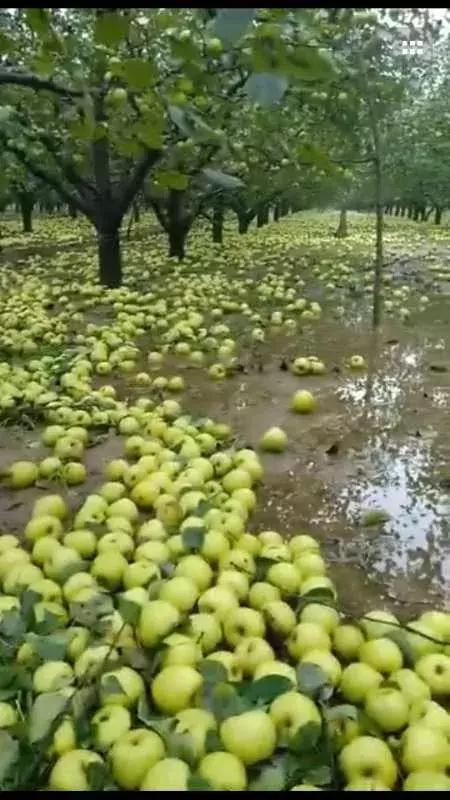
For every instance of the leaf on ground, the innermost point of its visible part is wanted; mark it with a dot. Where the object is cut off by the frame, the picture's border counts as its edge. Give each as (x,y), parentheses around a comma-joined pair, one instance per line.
(193,538)
(49,648)
(344,711)
(401,640)
(111,685)
(46,710)
(375,516)
(212,671)
(271,778)
(12,626)
(319,776)
(266,689)
(223,700)
(9,754)
(198,784)
(129,611)
(306,738)
(310,679)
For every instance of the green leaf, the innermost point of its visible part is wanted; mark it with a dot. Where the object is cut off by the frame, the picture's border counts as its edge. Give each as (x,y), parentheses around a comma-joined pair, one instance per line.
(319,776)
(271,778)
(46,710)
(6,43)
(181,745)
(197,784)
(213,742)
(49,648)
(221,179)
(230,24)
(43,64)
(87,614)
(110,28)
(12,627)
(172,179)
(310,679)
(266,88)
(38,21)
(178,117)
(143,712)
(83,700)
(306,738)
(401,639)
(9,754)
(344,711)
(266,689)
(310,154)
(321,594)
(212,671)
(111,685)
(138,73)
(27,603)
(375,516)
(310,64)
(223,700)
(46,622)
(129,611)
(8,675)
(193,538)
(98,776)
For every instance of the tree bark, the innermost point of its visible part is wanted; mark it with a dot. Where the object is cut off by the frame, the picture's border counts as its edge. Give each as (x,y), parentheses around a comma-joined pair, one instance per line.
(410,212)
(402,211)
(177,238)
(378,274)
(262,215)
(109,257)
(437,215)
(217,222)
(276,213)
(284,208)
(243,223)
(73,213)
(342,228)
(397,210)
(26,205)
(136,213)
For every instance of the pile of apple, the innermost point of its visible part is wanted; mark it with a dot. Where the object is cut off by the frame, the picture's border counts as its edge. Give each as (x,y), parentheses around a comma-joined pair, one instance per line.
(193,594)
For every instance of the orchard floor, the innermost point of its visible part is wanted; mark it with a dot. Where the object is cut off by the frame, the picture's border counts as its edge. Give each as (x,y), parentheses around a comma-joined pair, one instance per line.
(379,440)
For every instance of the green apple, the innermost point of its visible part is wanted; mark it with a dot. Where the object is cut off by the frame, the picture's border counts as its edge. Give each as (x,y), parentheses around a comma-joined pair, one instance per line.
(215,546)
(224,772)
(388,707)
(378,623)
(64,739)
(303,402)
(153,550)
(165,775)
(250,736)
(310,565)
(240,560)
(290,711)
(262,593)
(92,660)
(77,641)
(413,688)
(116,542)
(109,724)
(357,680)
(432,715)
(174,688)
(305,787)
(196,722)
(424,748)
(197,569)
(325,616)
(439,622)
(252,651)
(422,645)
(14,556)
(218,600)
(52,505)
(181,592)
(307,636)
(20,577)
(434,669)
(8,715)
(382,654)
(228,660)
(140,574)
(368,757)
(276,668)
(241,623)
(237,478)
(158,618)
(69,772)
(235,580)
(347,639)
(303,543)
(181,650)
(123,686)
(426,780)
(327,662)
(73,585)
(279,617)
(206,630)
(133,754)
(51,676)
(274,440)
(285,577)
(83,541)
(43,525)
(8,541)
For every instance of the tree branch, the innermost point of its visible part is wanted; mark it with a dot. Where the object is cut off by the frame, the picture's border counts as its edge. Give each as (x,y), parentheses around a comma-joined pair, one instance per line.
(31,81)
(70,173)
(50,180)
(136,179)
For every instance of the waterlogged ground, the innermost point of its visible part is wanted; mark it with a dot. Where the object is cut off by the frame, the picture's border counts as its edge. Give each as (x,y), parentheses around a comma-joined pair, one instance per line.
(380,440)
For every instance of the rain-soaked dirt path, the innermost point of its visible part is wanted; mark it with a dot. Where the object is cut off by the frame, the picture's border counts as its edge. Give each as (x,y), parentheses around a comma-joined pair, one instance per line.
(380,440)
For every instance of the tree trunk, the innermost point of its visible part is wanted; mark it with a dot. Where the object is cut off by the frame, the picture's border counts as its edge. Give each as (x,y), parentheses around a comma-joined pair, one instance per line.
(177,238)
(26,204)
(397,210)
(72,211)
(378,274)
(262,216)
(243,223)
(422,213)
(410,212)
(136,213)
(437,215)
(276,213)
(217,222)
(415,215)
(402,211)
(342,228)
(284,208)
(109,257)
